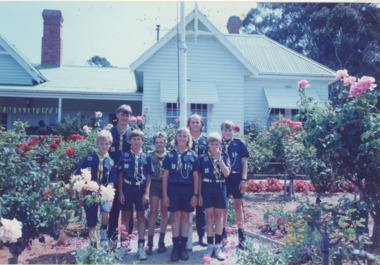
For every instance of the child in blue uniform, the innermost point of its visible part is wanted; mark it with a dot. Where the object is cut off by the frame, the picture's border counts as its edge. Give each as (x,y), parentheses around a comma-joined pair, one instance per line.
(134,169)
(104,173)
(160,140)
(213,195)
(120,144)
(180,188)
(238,153)
(196,125)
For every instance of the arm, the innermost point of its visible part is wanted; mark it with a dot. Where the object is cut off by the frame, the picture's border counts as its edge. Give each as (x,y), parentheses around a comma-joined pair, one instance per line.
(145,198)
(194,199)
(165,197)
(200,199)
(225,170)
(243,183)
(120,183)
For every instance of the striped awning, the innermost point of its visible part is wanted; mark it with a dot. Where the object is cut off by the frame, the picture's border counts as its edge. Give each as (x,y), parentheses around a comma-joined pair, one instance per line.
(286,98)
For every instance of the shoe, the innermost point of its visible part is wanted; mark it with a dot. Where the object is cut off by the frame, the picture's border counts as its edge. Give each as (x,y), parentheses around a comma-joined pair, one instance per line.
(161,247)
(175,253)
(183,255)
(103,237)
(202,241)
(209,251)
(219,254)
(149,251)
(141,253)
(242,239)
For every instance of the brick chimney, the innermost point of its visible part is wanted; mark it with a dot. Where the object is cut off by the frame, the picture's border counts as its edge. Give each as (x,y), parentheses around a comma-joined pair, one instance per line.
(234,24)
(51,53)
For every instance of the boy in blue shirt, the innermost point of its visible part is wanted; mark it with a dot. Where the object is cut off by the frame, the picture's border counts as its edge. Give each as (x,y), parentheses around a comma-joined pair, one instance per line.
(104,173)
(134,169)
(180,188)
(236,183)
(213,195)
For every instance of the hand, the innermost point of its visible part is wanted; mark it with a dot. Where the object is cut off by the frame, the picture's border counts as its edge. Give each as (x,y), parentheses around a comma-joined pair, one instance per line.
(243,186)
(200,201)
(218,153)
(121,197)
(194,201)
(145,198)
(166,201)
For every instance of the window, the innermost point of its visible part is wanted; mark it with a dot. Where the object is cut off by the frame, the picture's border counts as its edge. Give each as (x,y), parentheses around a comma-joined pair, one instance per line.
(4,120)
(276,111)
(112,119)
(172,113)
(200,109)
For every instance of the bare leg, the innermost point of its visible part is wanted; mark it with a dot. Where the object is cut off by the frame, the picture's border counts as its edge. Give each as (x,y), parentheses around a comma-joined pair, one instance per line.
(210,221)
(164,217)
(153,214)
(238,208)
(218,221)
(140,224)
(185,223)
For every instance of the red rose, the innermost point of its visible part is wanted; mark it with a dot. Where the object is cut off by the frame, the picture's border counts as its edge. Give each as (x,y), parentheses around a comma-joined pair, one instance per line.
(54,146)
(51,151)
(70,152)
(57,141)
(20,145)
(44,164)
(43,138)
(237,128)
(21,154)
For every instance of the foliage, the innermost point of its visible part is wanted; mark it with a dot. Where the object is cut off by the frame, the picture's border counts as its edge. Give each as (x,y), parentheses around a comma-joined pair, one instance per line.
(71,126)
(99,61)
(231,217)
(338,35)
(257,255)
(275,221)
(26,192)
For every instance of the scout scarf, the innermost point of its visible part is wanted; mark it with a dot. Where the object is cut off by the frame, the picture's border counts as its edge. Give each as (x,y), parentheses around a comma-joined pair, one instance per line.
(121,133)
(226,144)
(214,162)
(179,162)
(100,166)
(136,156)
(159,170)
(196,143)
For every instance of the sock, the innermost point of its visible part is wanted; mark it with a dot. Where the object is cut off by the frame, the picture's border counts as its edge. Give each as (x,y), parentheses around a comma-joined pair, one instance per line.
(224,231)
(150,241)
(210,240)
(103,226)
(175,241)
(162,237)
(141,242)
(218,239)
(183,241)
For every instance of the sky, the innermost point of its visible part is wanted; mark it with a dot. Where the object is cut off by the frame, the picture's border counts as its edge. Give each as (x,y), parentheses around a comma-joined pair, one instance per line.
(119,31)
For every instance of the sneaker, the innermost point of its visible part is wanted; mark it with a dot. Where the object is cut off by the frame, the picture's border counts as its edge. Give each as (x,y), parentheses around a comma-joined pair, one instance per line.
(209,251)
(219,254)
(103,237)
(141,253)
(161,247)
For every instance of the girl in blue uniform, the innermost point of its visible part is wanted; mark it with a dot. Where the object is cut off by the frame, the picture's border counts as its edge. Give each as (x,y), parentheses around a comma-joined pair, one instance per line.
(236,183)
(214,168)
(180,188)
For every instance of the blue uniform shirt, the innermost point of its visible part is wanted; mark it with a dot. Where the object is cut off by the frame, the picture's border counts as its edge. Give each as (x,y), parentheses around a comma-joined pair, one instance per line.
(92,161)
(202,146)
(114,151)
(190,163)
(236,151)
(207,168)
(126,165)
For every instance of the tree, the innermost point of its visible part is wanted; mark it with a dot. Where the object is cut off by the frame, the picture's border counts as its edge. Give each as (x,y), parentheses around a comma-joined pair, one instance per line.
(99,61)
(340,36)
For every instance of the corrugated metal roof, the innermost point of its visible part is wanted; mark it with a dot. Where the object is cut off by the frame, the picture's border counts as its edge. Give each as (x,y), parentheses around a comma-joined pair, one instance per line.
(197,92)
(88,79)
(286,98)
(269,56)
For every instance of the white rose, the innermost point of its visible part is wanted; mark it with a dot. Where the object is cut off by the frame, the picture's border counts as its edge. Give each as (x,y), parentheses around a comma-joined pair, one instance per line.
(107,193)
(78,185)
(87,129)
(98,114)
(92,186)
(75,178)
(86,175)
(11,230)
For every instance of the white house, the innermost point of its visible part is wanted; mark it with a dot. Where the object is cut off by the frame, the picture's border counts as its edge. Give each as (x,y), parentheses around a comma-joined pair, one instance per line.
(236,77)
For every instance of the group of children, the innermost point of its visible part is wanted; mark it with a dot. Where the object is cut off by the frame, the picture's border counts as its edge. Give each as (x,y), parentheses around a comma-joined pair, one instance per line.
(198,172)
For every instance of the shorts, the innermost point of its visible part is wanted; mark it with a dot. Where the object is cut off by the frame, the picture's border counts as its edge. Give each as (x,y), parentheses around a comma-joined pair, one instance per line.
(92,212)
(214,195)
(232,183)
(133,195)
(180,196)
(155,188)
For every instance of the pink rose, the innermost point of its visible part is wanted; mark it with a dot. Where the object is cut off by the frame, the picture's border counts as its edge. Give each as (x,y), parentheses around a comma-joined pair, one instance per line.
(132,119)
(340,74)
(228,250)
(146,247)
(149,127)
(248,214)
(224,242)
(287,136)
(79,245)
(207,260)
(349,80)
(98,114)
(147,108)
(284,121)
(138,118)
(303,84)
(228,229)
(233,243)
(177,120)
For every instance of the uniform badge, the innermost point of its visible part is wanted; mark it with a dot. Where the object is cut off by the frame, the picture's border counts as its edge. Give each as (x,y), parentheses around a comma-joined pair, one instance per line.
(126,154)
(89,158)
(126,166)
(170,155)
(189,153)
(174,166)
(206,158)
(112,148)
(206,170)
(234,144)
(112,163)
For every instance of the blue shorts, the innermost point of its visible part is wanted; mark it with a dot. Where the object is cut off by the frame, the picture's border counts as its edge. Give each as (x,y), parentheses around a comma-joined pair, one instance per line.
(92,212)
(133,195)
(180,196)
(214,195)
(232,183)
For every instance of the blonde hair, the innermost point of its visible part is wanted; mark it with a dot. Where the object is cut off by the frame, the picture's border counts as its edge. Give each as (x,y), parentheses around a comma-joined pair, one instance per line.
(185,130)
(104,135)
(137,133)
(160,135)
(227,125)
(214,136)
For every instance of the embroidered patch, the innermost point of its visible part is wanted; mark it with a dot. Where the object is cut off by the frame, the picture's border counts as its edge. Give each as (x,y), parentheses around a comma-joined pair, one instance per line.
(235,144)
(112,163)
(126,166)
(170,155)
(126,154)
(174,166)
(112,148)
(207,170)
(206,158)
(89,158)
(189,153)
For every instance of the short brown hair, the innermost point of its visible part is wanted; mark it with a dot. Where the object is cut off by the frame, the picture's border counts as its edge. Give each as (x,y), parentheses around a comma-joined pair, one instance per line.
(227,125)
(214,136)
(137,133)
(160,135)
(125,109)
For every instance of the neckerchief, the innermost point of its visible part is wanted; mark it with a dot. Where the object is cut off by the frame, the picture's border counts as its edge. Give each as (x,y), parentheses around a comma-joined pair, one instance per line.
(179,161)
(159,170)
(226,144)
(121,133)
(100,166)
(214,162)
(136,156)
(196,142)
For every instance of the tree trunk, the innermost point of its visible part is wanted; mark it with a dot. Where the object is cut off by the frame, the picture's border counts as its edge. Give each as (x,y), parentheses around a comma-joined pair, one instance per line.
(325,249)
(13,260)
(375,235)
